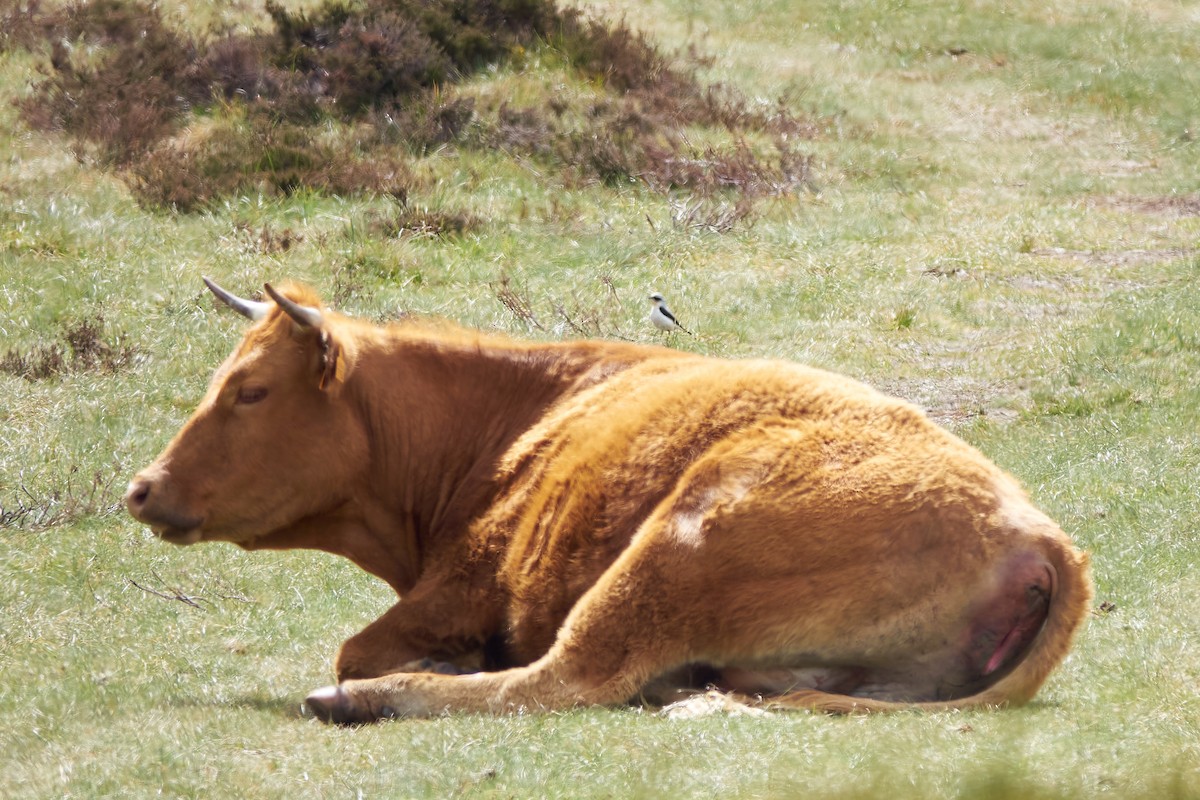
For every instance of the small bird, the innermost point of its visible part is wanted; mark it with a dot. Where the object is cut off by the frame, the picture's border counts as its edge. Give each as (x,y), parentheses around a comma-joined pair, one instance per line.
(662,317)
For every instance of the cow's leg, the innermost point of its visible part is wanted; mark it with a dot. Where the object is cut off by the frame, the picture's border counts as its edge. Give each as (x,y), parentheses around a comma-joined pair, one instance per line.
(621,634)
(386,645)
(423,631)
(647,614)
(417,634)
(587,666)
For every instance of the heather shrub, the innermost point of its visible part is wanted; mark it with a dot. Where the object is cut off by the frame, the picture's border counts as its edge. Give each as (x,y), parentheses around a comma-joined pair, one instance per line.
(624,59)
(128,95)
(122,82)
(419,221)
(388,57)
(21,23)
(426,121)
(260,156)
(81,346)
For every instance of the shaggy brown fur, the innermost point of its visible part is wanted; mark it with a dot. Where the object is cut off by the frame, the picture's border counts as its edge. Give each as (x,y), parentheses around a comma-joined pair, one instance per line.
(589,522)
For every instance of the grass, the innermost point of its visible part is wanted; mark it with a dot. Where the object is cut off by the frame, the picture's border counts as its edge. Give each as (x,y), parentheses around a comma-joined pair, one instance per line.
(999,221)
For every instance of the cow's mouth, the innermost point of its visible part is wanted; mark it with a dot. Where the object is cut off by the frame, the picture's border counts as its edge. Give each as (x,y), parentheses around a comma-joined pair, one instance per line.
(177,535)
(149,502)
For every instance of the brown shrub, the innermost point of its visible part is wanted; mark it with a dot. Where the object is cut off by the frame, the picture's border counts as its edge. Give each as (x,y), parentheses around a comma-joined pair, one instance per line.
(39,363)
(516,300)
(268,240)
(384,63)
(233,67)
(369,56)
(524,130)
(475,33)
(426,121)
(386,58)
(421,221)
(276,158)
(736,168)
(81,347)
(625,139)
(128,96)
(623,58)
(22,24)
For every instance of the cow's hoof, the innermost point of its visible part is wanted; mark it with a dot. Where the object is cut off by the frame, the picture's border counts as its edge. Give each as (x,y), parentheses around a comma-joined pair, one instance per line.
(334,704)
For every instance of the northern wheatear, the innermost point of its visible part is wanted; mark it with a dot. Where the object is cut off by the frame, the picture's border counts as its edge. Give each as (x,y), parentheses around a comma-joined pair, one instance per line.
(662,317)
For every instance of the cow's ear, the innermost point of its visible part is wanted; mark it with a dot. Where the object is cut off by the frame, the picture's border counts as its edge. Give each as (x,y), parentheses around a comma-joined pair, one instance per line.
(335,364)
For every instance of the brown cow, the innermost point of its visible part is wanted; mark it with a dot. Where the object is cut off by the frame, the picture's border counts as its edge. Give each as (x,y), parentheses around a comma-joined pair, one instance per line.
(590,522)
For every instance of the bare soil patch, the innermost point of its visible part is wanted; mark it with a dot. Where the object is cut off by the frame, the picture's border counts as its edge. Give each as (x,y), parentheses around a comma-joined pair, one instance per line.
(1177,206)
(954,400)
(1111,258)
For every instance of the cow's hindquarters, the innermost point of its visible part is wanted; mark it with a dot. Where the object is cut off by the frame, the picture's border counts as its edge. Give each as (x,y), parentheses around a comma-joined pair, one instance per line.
(1024,675)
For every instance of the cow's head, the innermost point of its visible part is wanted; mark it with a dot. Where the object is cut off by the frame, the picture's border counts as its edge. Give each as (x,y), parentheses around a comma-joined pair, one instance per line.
(275,439)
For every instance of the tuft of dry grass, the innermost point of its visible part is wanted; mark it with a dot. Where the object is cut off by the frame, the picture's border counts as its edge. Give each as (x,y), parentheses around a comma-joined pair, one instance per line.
(72,500)
(420,221)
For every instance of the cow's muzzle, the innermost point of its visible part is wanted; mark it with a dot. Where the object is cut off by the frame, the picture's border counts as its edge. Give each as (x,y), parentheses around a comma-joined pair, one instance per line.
(145,500)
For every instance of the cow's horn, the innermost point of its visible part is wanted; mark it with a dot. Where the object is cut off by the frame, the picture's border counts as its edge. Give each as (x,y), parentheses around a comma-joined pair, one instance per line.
(303,315)
(252,309)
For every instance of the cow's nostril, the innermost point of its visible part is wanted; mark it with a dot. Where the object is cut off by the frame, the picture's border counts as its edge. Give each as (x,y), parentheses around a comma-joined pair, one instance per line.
(136,495)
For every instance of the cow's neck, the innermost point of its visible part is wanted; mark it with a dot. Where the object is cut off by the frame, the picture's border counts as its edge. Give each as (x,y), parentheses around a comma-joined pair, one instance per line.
(439,415)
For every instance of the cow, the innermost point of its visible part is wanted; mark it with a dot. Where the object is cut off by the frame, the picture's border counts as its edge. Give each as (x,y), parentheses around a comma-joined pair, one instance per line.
(596,522)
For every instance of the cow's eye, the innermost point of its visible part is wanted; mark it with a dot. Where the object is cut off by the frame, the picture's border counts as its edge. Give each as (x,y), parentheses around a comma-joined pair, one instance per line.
(250,394)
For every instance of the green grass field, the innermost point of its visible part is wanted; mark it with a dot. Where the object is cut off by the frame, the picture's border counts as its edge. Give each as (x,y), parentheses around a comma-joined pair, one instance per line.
(1000,221)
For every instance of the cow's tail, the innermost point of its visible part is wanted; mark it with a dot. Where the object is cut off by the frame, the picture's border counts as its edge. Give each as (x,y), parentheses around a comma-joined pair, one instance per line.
(1070,603)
